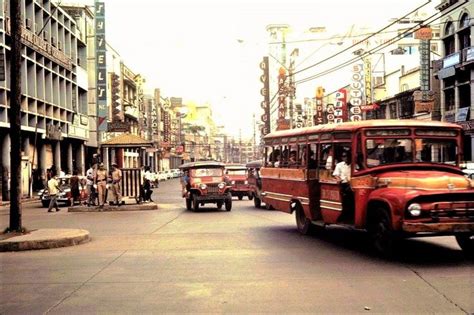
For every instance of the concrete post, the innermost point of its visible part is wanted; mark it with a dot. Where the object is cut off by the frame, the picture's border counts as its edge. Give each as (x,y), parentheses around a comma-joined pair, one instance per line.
(70,165)
(57,156)
(80,160)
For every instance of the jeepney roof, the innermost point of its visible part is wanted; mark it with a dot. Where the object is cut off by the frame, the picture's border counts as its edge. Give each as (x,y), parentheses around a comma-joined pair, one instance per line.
(352,126)
(202,164)
(254,164)
(235,166)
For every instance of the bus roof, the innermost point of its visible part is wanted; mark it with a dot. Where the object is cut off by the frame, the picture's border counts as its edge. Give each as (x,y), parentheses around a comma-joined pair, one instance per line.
(202,164)
(235,166)
(353,126)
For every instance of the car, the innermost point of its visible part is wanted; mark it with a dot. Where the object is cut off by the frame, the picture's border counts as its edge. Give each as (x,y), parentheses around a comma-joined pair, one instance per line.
(175,172)
(169,174)
(236,174)
(468,169)
(205,183)
(65,195)
(162,176)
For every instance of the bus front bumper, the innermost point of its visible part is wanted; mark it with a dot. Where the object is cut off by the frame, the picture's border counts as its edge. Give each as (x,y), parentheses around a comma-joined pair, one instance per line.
(444,227)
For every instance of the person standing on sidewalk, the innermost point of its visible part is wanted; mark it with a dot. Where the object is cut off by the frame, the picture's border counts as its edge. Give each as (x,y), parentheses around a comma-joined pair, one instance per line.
(101,182)
(116,184)
(91,191)
(53,189)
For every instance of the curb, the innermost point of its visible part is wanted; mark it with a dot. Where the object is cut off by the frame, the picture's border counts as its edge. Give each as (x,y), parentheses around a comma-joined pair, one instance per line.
(45,239)
(23,201)
(107,208)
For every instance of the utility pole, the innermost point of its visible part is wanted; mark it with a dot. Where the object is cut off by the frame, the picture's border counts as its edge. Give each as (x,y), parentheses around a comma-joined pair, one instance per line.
(14,116)
(240,145)
(254,136)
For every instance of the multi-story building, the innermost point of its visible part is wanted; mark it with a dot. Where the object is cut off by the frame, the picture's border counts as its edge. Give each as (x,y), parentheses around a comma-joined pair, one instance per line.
(54,123)
(456,68)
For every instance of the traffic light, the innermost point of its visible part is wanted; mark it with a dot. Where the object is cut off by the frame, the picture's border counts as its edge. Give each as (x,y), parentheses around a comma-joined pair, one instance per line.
(115,91)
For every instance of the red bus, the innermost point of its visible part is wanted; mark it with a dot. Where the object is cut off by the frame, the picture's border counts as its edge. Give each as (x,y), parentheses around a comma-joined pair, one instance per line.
(392,178)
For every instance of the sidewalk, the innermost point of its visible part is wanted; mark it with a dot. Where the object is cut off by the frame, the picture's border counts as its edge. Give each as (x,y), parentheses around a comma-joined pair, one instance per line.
(5,203)
(44,239)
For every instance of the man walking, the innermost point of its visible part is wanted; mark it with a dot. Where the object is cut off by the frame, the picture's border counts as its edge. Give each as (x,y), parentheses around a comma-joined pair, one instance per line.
(53,189)
(116,184)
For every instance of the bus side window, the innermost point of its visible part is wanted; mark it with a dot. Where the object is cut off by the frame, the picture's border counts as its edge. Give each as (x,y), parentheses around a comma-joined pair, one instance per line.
(326,157)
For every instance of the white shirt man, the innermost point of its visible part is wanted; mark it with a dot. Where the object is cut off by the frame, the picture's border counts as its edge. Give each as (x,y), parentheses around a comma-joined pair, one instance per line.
(342,172)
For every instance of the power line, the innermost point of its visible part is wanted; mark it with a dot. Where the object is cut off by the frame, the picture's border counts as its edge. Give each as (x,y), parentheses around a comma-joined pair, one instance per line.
(361,41)
(375,49)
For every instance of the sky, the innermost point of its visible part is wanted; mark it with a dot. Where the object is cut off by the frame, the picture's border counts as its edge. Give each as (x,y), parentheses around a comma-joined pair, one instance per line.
(210,50)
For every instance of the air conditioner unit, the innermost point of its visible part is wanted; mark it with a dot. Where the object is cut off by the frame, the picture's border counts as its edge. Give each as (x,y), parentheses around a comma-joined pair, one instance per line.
(28,23)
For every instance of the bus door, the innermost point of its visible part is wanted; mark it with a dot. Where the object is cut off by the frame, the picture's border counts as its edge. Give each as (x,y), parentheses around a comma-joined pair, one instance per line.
(334,181)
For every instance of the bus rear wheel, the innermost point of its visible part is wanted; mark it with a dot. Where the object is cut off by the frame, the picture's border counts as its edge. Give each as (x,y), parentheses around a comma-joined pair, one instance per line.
(303,224)
(257,202)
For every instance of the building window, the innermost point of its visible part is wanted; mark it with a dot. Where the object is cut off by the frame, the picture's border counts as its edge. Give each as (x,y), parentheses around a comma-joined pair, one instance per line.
(449,99)
(393,110)
(464,34)
(448,41)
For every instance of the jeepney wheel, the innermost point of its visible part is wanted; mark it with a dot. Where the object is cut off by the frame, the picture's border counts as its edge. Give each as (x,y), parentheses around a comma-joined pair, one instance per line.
(250,196)
(195,202)
(240,197)
(466,242)
(189,203)
(257,202)
(303,224)
(381,232)
(219,204)
(228,203)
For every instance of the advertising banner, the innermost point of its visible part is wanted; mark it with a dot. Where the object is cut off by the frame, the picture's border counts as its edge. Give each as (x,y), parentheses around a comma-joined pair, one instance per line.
(265,92)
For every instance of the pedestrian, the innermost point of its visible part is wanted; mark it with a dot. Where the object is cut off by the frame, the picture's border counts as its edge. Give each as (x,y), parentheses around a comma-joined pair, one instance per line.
(91,187)
(53,190)
(116,184)
(147,177)
(342,173)
(186,182)
(75,192)
(101,182)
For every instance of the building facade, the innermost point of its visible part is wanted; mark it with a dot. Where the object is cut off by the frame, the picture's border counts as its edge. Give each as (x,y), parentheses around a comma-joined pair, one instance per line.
(54,113)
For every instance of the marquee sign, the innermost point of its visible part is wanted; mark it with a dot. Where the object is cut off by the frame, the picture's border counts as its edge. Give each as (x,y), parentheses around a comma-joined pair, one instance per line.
(101,66)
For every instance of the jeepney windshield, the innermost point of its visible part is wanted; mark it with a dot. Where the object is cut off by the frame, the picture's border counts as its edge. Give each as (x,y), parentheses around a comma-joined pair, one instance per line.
(395,148)
(236,172)
(203,172)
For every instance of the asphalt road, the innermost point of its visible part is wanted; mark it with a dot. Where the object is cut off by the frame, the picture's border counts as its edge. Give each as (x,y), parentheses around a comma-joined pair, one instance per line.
(244,261)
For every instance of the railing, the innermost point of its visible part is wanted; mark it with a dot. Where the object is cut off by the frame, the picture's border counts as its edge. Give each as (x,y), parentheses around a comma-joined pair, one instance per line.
(131,182)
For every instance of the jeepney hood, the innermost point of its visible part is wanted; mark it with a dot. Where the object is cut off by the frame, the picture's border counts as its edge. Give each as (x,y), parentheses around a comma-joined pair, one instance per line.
(207,180)
(424,180)
(237,177)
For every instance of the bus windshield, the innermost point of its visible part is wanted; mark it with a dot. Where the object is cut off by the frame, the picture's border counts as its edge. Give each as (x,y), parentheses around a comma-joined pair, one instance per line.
(405,150)
(236,172)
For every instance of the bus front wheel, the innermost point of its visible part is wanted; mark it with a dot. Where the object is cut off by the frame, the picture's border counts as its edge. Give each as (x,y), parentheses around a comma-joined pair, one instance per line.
(381,232)
(466,242)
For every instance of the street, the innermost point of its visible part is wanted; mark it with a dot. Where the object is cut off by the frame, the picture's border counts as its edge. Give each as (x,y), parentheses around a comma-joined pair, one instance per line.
(244,261)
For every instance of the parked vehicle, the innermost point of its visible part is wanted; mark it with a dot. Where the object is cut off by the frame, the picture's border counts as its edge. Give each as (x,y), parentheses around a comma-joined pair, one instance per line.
(402,179)
(175,173)
(255,182)
(65,195)
(236,175)
(206,185)
(162,175)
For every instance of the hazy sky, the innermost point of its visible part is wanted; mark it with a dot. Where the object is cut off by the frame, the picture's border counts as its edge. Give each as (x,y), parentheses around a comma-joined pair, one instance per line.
(209,51)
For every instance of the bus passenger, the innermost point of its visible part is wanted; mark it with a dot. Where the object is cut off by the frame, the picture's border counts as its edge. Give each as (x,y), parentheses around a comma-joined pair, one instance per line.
(342,173)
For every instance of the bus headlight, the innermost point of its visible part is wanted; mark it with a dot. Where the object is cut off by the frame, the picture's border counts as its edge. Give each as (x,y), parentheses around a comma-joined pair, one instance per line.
(221,185)
(233,182)
(414,209)
(246,182)
(203,186)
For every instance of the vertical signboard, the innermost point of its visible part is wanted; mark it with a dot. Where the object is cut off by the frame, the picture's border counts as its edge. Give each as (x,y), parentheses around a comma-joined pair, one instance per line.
(265,92)
(166,126)
(318,117)
(282,123)
(101,66)
(368,81)
(426,103)
(356,93)
(340,106)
